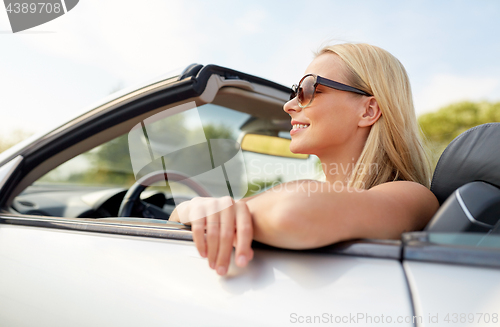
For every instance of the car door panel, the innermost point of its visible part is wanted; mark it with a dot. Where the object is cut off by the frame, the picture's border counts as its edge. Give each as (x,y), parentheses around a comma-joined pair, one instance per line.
(455,295)
(71,278)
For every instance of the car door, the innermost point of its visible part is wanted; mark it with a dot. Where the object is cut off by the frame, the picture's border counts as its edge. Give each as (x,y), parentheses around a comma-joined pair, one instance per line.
(68,260)
(454,277)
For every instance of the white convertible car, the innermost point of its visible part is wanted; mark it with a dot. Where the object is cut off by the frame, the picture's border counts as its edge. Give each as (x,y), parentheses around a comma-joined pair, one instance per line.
(85,238)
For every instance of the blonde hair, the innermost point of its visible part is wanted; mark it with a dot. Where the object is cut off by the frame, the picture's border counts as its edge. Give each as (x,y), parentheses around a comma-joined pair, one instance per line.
(393,145)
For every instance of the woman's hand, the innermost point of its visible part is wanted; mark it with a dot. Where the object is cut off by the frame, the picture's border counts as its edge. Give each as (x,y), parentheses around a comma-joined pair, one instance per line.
(227,224)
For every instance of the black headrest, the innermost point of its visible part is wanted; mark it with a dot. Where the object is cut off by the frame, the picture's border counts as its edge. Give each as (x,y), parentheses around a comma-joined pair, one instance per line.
(474,155)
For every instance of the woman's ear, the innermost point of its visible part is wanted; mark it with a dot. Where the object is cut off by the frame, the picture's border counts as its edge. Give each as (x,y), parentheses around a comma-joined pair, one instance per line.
(371,113)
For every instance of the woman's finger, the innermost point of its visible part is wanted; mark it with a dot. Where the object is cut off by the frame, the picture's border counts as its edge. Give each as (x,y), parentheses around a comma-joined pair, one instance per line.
(213,232)
(244,234)
(190,213)
(174,216)
(198,229)
(227,234)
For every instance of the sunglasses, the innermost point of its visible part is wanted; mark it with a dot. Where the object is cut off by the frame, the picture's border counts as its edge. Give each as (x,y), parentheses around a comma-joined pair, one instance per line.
(307,87)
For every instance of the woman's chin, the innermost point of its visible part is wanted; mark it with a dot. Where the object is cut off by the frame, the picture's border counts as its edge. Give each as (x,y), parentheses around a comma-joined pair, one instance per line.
(298,149)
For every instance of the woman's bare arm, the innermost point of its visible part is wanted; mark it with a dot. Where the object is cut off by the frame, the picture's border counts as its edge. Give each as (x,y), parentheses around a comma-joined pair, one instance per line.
(308,214)
(304,214)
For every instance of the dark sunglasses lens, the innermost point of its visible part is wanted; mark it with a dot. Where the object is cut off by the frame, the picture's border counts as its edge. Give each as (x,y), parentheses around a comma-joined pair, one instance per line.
(293,94)
(306,91)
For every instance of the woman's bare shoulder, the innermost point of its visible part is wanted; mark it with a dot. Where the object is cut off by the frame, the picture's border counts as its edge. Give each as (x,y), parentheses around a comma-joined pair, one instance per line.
(412,196)
(403,186)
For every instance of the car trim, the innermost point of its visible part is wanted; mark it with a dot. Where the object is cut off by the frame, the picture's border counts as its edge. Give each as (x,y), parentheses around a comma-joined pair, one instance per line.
(389,249)
(169,231)
(417,247)
(384,249)
(373,248)
(204,74)
(7,169)
(416,306)
(467,212)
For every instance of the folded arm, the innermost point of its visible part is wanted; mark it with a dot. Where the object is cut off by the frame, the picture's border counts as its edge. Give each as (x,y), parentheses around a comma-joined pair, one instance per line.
(308,214)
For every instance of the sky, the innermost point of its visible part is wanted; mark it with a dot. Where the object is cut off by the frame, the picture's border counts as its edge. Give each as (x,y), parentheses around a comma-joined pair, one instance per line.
(52,72)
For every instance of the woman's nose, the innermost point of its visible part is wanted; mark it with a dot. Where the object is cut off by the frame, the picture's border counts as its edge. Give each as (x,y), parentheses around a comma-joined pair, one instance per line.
(292,106)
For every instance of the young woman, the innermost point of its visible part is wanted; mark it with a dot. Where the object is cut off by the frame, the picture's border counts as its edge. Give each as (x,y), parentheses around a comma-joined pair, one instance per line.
(354,104)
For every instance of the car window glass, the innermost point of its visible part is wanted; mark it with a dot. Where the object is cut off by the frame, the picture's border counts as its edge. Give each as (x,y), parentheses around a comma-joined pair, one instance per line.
(466,239)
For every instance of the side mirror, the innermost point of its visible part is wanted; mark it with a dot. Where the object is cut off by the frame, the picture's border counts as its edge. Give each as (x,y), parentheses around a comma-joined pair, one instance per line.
(270,145)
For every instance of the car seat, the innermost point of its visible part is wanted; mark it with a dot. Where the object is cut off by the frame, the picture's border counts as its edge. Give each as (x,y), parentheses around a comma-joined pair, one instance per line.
(466,183)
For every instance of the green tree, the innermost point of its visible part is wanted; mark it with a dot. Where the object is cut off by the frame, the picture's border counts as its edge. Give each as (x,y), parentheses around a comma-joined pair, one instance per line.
(110,164)
(218,132)
(441,127)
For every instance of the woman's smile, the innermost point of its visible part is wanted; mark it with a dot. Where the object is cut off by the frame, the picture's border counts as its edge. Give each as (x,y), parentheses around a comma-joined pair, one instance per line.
(298,127)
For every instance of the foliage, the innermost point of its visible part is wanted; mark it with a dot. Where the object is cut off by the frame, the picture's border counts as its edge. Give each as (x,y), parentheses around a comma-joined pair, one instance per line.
(110,164)
(441,127)
(218,132)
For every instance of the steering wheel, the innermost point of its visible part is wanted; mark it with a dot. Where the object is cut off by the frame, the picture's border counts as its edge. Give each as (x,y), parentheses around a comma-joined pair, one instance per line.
(132,197)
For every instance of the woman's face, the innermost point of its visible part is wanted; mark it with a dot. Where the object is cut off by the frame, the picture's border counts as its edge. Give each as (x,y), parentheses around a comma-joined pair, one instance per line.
(332,118)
